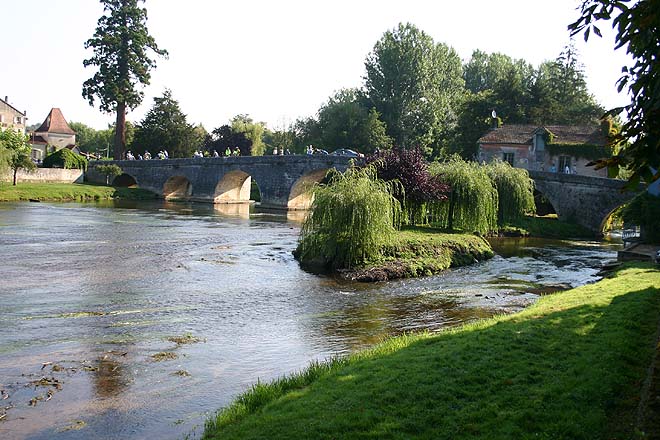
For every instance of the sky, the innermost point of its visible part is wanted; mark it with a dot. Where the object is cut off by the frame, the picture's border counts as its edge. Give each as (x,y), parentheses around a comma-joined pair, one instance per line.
(275,60)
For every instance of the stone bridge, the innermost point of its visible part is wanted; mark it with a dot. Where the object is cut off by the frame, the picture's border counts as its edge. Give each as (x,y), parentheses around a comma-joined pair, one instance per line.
(282,180)
(585,200)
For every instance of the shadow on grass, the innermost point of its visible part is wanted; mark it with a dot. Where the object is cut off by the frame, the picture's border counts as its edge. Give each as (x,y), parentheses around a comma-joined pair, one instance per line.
(569,374)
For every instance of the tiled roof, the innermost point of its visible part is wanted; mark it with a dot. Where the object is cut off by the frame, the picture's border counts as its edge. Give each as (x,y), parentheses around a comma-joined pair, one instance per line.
(563,134)
(577,134)
(55,123)
(37,139)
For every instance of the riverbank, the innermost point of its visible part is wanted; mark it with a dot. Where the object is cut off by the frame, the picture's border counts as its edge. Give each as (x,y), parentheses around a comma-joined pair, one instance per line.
(545,227)
(63,192)
(570,366)
(422,251)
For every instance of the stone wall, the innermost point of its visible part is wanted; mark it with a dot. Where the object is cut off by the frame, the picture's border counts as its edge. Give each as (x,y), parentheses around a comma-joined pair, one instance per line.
(585,200)
(45,175)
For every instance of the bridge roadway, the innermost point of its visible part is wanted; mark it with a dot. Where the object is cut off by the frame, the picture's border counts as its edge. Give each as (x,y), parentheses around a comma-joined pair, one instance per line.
(283,181)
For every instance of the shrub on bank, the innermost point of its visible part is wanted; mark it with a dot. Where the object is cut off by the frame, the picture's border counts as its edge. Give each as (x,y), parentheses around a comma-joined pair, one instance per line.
(515,191)
(473,201)
(411,169)
(351,219)
(65,158)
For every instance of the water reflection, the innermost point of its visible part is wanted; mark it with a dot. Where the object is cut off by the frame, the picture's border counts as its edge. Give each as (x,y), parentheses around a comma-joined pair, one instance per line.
(241,210)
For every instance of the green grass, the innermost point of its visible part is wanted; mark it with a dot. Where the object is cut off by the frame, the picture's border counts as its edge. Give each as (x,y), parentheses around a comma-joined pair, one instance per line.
(568,367)
(425,251)
(418,251)
(62,192)
(548,227)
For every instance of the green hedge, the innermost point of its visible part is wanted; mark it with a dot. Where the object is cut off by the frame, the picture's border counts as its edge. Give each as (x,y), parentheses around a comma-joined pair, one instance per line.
(65,158)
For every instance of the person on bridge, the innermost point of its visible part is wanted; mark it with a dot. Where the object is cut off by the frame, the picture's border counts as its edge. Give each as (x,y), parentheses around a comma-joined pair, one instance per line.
(553,168)
(275,151)
(215,154)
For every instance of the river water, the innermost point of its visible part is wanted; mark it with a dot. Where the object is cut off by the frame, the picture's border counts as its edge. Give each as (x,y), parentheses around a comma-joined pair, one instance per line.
(124,321)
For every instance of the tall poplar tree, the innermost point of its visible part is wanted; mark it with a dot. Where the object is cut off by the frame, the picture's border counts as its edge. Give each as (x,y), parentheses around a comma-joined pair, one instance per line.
(122,47)
(415,84)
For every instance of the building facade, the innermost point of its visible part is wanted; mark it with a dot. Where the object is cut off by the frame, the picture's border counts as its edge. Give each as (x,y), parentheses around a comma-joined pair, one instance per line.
(555,148)
(11,117)
(53,135)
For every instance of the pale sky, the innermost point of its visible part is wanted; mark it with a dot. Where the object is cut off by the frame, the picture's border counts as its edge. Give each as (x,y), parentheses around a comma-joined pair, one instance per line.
(275,60)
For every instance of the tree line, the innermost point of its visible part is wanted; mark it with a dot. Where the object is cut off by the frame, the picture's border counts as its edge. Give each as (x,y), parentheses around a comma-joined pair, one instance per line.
(416,92)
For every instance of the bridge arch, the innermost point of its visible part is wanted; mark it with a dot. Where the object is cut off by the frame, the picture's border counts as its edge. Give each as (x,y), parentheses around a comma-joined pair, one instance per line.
(234,187)
(301,196)
(585,200)
(125,181)
(543,205)
(177,187)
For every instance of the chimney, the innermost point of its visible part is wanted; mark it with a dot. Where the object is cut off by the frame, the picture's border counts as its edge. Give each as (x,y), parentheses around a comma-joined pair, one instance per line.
(7,99)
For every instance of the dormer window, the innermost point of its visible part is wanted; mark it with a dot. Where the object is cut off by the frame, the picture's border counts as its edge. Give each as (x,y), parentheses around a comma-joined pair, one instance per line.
(539,142)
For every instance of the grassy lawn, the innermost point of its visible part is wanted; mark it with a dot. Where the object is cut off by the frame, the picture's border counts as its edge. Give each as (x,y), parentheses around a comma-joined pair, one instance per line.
(549,227)
(569,367)
(422,251)
(68,192)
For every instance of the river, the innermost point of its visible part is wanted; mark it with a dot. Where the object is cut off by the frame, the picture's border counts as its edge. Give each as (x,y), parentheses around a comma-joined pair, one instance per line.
(126,321)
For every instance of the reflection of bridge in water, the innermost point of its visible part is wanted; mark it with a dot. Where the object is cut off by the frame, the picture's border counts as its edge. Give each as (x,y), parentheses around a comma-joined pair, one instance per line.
(282,180)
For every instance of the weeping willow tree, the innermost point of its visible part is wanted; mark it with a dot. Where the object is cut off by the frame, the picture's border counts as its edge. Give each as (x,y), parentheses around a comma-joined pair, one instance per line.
(351,219)
(473,200)
(515,191)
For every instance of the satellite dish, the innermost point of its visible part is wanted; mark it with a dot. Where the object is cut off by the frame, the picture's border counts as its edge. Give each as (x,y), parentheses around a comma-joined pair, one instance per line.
(493,114)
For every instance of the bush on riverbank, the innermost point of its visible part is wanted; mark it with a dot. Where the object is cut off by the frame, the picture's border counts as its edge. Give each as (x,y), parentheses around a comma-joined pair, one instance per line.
(515,191)
(473,202)
(568,367)
(420,188)
(351,219)
(61,192)
(546,227)
(65,158)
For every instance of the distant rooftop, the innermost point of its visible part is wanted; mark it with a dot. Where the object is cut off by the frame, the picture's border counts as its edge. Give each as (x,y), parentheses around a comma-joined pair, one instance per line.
(564,134)
(55,123)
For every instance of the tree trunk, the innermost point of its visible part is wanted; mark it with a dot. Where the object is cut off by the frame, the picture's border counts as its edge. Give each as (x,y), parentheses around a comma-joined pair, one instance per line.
(120,132)
(451,210)
(15,172)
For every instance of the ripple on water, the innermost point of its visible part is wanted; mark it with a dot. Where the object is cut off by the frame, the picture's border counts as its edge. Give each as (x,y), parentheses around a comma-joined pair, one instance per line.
(104,302)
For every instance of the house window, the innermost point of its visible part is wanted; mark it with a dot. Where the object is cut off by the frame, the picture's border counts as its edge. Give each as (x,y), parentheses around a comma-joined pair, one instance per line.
(508,157)
(564,164)
(540,142)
